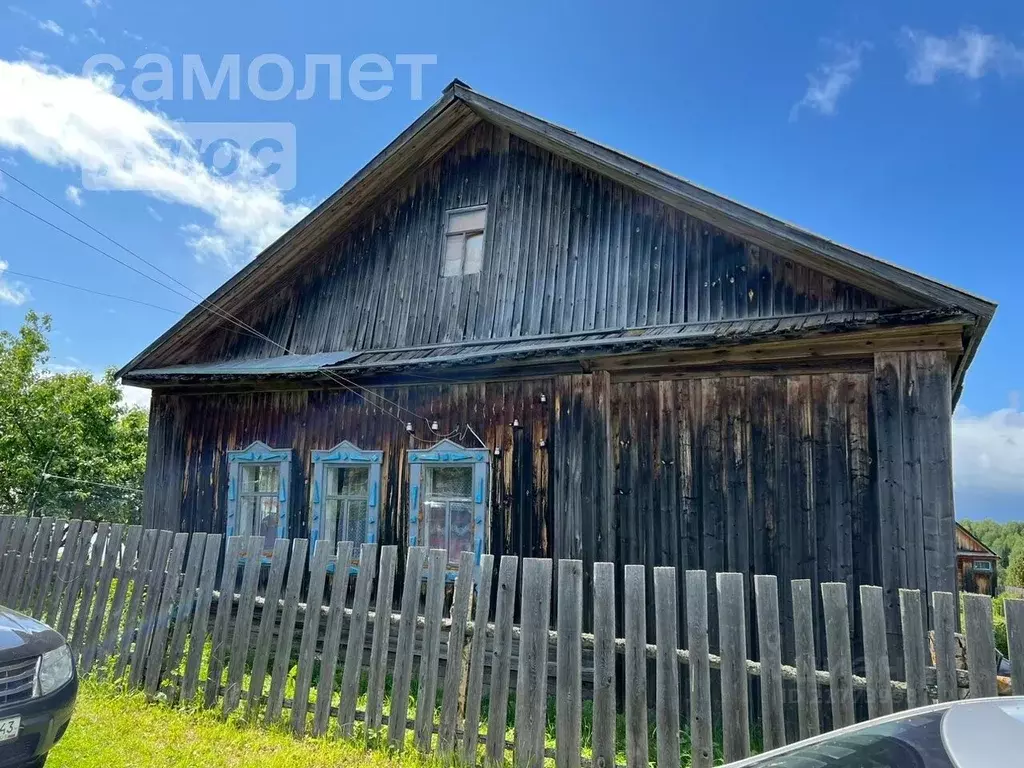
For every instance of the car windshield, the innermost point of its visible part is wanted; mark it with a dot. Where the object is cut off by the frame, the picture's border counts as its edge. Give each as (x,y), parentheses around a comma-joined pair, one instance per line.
(915,742)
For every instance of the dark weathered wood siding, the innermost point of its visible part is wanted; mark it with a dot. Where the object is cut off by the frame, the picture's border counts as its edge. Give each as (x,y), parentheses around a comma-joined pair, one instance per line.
(566,250)
(761,474)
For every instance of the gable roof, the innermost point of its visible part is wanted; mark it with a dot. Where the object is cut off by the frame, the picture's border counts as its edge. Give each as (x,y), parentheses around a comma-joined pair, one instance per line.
(977,546)
(460,108)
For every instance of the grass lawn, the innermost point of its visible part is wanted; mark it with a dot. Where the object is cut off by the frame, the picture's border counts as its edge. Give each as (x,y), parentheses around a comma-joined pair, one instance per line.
(111,729)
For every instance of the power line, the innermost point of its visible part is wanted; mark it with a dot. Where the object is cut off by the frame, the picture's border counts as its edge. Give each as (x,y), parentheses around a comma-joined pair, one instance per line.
(48,476)
(218,311)
(87,290)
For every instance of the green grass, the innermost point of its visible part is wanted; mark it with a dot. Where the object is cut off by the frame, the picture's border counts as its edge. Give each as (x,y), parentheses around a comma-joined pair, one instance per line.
(112,728)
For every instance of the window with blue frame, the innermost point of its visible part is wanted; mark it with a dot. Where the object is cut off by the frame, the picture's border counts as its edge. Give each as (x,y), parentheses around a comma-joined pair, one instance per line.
(346,495)
(258,496)
(448,490)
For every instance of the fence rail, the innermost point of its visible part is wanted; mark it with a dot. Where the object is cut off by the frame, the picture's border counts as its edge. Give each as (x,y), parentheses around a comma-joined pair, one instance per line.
(198,618)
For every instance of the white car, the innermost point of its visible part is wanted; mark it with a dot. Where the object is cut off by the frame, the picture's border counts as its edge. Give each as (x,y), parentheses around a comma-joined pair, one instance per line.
(976,733)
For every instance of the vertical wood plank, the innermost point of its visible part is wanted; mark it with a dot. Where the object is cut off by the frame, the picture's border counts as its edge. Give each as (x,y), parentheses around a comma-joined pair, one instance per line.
(124,568)
(67,551)
(837,641)
(667,664)
(732,639)
(569,665)
(603,739)
(220,639)
(477,650)
(701,745)
(20,580)
(153,590)
(501,661)
(48,569)
(101,604)
(773,725)
(332,638)
(635,615)
(69,597)
(90,575)
(876,654)
(12,558)
(268,618)
(243,624)
(914,649)
(454,654)
(430,652)
(286,631)
(1014,611)
(310,632)
(200,618)
(944,616)
(532,674)
(183,616)
(31,585)
(981,646)
(162,622)
(139,575)
(806,687)
(357,638)
(402,674)
(381,637)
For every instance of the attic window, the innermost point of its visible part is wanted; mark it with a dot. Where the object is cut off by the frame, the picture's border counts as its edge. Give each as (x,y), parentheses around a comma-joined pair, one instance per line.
(464,241)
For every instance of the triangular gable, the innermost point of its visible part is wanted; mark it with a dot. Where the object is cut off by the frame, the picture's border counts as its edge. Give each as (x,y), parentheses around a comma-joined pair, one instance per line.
(968,542)
(459,110)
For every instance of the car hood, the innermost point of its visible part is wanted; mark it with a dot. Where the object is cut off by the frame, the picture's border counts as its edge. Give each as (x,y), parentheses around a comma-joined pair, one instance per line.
(22,636)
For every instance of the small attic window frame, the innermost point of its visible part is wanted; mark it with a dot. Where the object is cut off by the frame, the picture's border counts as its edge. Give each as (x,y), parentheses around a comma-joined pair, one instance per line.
(458,236)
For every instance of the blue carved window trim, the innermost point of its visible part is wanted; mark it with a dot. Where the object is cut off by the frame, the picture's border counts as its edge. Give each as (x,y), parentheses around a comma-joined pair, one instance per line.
(345,454)
(449,453)
(259,453)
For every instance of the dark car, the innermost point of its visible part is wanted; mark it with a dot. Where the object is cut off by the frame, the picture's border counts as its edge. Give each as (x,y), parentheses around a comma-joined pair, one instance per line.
(38,686)
(976,733)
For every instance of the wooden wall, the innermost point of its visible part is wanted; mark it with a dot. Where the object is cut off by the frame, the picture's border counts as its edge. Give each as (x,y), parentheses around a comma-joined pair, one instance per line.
(756,474)
(566,251)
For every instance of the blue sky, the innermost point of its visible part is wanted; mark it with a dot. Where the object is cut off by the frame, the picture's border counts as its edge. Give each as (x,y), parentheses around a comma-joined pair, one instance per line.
(893,129)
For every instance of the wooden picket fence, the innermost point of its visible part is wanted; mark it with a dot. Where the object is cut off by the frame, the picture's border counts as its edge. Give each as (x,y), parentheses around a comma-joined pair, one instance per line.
(136,605)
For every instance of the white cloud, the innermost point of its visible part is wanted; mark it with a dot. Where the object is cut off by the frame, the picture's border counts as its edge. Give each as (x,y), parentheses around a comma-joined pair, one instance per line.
(152,212)
(11,292)
(95,35)
(75,122)
(135,397)
(74,195)
(970,53)
(826,84)
(93,4)
(51,26)
(988,451)
(9,161)
(133,36)
(31,55)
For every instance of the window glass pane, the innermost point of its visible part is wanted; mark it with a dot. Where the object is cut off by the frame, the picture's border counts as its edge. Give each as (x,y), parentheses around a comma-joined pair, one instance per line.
(450,482)
(268,512)
(244,517)
(467,221)
(355,524)
(436,534)
(461,538)
(452,256)
(262,478)
(474,254)
(355,481)
(331,518)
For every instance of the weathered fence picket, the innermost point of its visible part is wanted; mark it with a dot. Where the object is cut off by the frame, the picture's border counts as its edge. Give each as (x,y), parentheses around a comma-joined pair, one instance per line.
(149,606)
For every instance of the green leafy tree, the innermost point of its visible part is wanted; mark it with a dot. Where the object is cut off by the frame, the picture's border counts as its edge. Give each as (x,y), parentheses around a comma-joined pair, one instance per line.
(69,445)
(1015,569)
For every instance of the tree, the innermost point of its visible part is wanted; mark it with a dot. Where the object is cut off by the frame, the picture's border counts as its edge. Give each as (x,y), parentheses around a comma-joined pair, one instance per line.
(69,445)
(1015,570)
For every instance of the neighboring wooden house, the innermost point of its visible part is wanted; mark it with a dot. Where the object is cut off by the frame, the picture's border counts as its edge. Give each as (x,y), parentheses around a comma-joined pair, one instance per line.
(975,564)
(595,359)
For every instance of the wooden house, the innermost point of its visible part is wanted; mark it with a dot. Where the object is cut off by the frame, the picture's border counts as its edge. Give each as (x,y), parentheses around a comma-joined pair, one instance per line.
(975,564)
(503,336)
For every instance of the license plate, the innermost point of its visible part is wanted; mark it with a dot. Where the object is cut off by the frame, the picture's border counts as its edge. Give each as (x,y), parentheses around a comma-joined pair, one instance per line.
(9,728)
